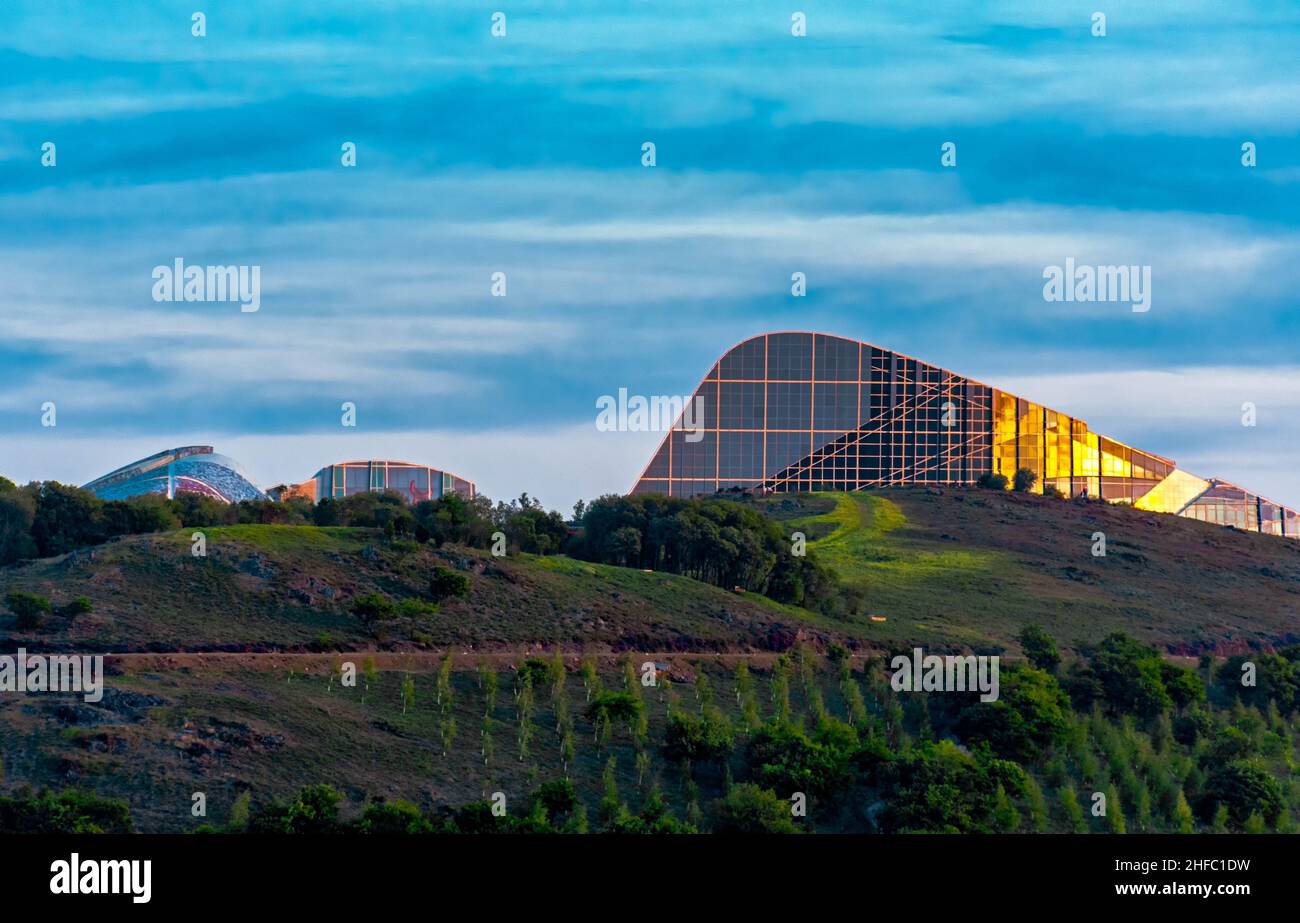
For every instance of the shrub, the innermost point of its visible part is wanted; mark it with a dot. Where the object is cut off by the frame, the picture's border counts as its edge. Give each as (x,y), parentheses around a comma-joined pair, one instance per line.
(992,481)
(374,607)
(79,606)
(414,608)
(29,608)
(752,809)
(1039,647)
(66,812)
(1024,480)
(708,737)
(446,583)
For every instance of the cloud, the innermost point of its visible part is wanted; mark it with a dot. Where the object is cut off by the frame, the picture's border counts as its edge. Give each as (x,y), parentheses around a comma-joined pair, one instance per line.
(521,155)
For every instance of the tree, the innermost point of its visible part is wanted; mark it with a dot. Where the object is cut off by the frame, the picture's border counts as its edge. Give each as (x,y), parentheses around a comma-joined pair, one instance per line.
(1072,810)
(17,512)
(610,708)
(369,675)
(590,676)
(703,739)
(1030,716)
(1006,819)
(1039,647)
(1243,787)
(314,811)
(749,809)
(1115,822)
(1127,675)
(445,697)
(29,608)
(558,802)
(611,810)
(624,546)
(746,696)
(783,757)
(524,706)
(1037,805)
(1024,480)
(393,817)
(1183,814)
(66,518)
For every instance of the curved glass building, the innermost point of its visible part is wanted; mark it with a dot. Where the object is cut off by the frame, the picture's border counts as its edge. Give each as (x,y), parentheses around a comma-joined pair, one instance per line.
(193,469)
(412,481)
(798,411)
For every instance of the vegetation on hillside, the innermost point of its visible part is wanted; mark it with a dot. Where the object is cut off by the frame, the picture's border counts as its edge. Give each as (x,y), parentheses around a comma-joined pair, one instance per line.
(1116,741)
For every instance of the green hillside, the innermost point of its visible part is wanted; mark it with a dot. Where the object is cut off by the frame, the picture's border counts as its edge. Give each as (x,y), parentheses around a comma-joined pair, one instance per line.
(950,569)
(263,587)
(225,675)
(969,568)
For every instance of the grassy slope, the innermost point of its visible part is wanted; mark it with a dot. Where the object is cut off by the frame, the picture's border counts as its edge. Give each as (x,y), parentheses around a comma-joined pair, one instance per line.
(971,567)
(284,587)
(944,568)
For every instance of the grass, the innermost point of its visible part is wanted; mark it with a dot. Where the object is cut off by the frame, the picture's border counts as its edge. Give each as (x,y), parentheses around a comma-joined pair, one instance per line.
(265,587)
(969,568)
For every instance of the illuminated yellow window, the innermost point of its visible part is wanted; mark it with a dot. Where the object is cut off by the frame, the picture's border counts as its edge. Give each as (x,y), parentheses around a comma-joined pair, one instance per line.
(1087,455)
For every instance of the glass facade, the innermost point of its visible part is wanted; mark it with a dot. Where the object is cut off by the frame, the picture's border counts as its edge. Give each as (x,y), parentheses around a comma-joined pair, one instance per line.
(189,469)
(807,411)
(414,482)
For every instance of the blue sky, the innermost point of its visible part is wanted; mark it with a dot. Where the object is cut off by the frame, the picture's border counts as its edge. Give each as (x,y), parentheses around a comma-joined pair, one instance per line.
(522,154)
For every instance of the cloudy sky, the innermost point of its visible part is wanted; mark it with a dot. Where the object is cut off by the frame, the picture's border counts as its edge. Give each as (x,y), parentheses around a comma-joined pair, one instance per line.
(522,155)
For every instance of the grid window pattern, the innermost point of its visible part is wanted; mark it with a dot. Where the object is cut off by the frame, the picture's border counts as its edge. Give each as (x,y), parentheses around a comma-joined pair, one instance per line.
(806,411)
(413,482)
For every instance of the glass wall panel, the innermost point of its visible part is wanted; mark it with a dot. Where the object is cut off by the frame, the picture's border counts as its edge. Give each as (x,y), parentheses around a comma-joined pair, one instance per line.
(789,357)
(694,459)
(789,405)
(1004,434)
(740,455)
(1115,460)
(1173,493)
(742,405)
(837,359)
(835,406)
(1030,438)
(357,478)
(1087,454)
(1058,465)
(746,362)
